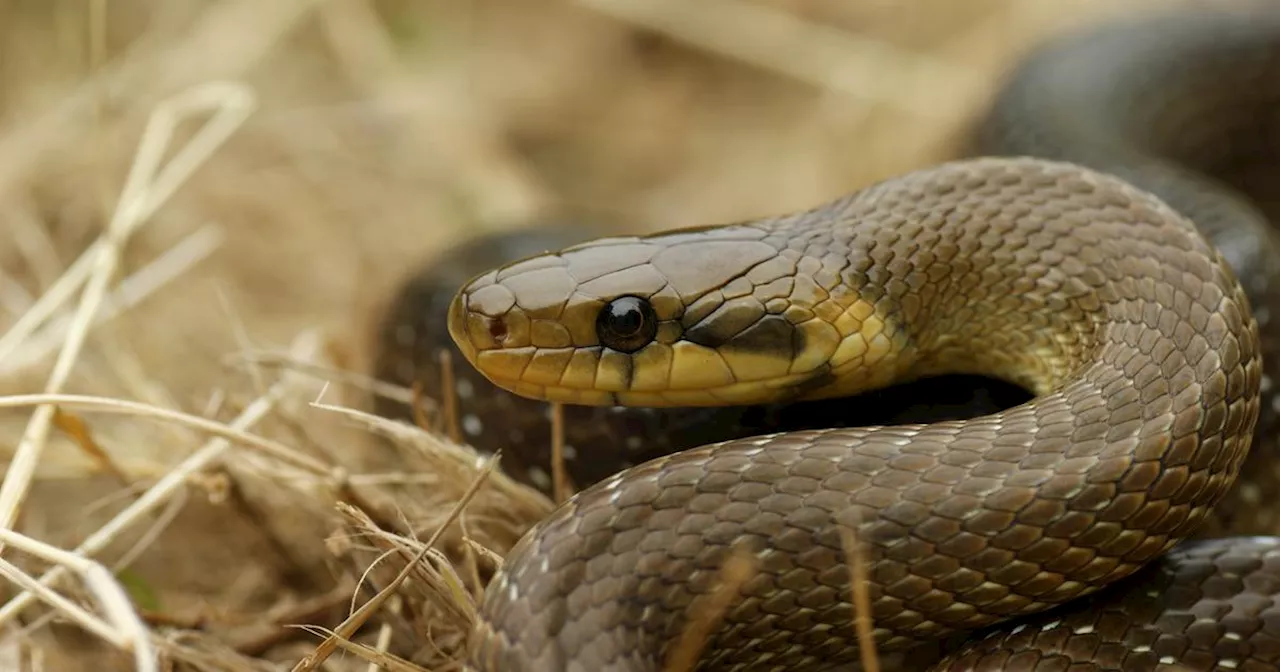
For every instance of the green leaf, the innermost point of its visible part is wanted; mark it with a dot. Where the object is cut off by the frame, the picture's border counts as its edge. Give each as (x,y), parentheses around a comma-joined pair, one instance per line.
(139,590)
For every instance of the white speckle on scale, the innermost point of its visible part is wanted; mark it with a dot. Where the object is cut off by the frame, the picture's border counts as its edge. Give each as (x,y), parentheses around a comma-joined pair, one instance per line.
(1084,630)
(613,482)
(471,425)
(1168,660)
(1050,625)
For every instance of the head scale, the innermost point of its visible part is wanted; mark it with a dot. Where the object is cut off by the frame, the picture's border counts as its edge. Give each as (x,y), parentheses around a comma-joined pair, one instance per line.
(692,317)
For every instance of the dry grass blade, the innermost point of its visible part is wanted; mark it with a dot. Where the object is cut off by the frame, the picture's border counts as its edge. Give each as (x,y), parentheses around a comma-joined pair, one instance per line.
(449,394)
(269,447)
(13,298)
(470,559)
(132,290)
(821,55)
(366,610)
(862,621)
(69,609)
(435,578)
(736,571)
(78,430)
(140,196)
(561,487)
(162,521)
(147,538)
(485,552)
(305,346)
(241,335)
(419,404)
(146,188)
(333,375)
(35,245)
(223,42)
(377,659)
(122,626)
(448,466)
(384,639)
(498,182)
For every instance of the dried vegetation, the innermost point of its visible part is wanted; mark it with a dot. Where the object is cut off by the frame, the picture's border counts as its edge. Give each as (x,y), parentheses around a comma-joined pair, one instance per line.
(207,202)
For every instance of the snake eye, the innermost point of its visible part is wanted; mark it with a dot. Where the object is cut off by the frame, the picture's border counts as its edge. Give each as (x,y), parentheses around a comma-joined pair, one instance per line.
(627,324)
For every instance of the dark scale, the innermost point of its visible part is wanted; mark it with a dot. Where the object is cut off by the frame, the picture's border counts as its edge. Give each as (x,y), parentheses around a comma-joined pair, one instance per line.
(1174,105)
(600,441)
(1180,105)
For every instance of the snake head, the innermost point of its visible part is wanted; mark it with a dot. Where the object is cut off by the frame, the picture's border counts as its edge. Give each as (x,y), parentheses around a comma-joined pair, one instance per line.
(695,317)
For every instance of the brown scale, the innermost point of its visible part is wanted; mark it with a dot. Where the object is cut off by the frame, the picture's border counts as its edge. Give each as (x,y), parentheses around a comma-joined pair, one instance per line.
(1208,604)
(988,535)
(601,441)
(1175,104)
(1148,379)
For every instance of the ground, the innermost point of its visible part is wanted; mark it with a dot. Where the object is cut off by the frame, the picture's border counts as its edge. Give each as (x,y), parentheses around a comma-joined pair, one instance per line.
(375,134)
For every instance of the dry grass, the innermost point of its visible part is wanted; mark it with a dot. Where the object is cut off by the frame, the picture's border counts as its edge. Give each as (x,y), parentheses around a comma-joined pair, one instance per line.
(197,302)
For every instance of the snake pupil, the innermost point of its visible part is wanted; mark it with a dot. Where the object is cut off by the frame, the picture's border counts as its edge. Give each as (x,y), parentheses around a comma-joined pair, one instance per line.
(626,324)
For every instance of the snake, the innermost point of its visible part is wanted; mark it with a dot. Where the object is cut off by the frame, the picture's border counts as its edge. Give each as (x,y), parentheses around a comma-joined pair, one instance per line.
(1104,244)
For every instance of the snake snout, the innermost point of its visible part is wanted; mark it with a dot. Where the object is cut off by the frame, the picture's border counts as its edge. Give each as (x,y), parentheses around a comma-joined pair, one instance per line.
(457,325)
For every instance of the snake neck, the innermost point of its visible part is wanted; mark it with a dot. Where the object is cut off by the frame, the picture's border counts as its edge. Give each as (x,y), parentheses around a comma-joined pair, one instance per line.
(1154,369)
(914,289)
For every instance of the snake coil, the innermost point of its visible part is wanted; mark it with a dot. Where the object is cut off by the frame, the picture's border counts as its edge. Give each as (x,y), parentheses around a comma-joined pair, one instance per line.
(1044,528)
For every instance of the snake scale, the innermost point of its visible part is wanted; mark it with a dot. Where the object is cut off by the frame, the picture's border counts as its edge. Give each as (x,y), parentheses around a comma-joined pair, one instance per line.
(1086,251)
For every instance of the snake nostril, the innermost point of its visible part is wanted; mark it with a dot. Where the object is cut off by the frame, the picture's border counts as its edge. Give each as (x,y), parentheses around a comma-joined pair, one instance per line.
(498,330)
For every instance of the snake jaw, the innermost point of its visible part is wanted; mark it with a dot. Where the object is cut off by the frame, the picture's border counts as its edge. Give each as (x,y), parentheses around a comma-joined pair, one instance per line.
(765,358)
(457,325)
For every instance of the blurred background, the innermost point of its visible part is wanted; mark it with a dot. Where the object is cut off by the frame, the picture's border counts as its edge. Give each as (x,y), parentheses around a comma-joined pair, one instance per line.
(384,132)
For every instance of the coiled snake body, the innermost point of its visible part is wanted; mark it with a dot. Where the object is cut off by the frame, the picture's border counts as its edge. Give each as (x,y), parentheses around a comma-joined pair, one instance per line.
(1088,286)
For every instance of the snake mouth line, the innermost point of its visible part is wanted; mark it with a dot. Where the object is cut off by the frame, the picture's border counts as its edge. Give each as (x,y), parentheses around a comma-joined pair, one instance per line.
(788,388)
